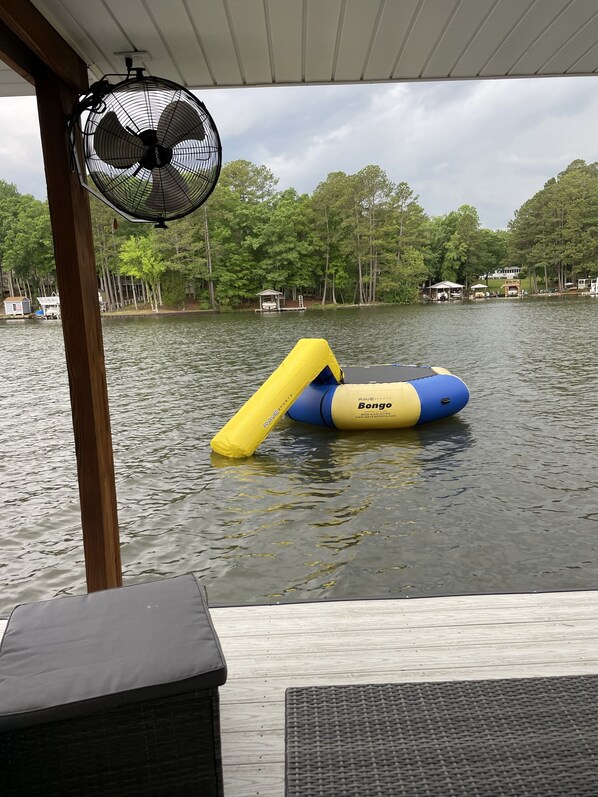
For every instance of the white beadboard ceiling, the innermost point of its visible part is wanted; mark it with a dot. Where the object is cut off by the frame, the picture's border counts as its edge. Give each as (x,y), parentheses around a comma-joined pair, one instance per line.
(231,43)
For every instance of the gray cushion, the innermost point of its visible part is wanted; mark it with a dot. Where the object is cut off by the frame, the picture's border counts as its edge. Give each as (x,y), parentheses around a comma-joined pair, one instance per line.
(73,656)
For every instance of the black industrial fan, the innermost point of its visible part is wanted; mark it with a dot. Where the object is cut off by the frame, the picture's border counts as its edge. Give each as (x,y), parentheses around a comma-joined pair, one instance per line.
(150,146)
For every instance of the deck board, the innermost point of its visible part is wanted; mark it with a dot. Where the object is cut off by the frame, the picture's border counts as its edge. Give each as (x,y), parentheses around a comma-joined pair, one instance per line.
(269,648)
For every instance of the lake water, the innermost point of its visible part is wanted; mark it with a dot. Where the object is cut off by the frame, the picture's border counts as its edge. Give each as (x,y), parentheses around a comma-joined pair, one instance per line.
(502,497)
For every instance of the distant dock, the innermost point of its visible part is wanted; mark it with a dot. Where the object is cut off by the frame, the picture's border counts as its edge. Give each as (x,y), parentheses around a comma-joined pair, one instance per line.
(275,310)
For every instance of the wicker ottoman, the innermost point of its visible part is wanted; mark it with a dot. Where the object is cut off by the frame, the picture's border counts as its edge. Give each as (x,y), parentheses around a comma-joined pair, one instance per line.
(112,693)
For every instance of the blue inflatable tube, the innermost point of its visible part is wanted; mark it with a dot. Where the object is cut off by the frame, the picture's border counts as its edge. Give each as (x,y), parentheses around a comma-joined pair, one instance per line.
(381,397)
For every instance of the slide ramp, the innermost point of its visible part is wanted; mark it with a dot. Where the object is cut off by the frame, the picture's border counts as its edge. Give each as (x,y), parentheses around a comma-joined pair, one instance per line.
(259,415)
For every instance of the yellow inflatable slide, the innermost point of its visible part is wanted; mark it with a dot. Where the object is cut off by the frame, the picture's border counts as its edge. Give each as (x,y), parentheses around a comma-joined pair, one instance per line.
(259,415)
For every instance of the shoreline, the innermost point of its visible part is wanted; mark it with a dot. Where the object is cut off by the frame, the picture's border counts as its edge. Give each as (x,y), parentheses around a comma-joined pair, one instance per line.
(147,312)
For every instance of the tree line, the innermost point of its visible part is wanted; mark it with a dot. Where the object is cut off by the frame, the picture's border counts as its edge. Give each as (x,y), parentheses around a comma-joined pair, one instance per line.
(554,235)
(357,239)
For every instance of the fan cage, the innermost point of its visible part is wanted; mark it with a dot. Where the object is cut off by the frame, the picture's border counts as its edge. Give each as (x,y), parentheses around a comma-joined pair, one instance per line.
(160,193)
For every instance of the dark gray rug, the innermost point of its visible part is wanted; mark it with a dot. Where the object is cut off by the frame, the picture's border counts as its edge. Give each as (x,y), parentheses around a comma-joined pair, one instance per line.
(531,737)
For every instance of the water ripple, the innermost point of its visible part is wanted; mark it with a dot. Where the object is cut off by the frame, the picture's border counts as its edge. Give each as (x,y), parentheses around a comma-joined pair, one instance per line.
(498,498)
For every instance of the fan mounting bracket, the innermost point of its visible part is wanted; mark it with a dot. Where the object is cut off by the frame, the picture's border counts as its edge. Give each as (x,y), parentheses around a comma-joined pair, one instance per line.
(138,57)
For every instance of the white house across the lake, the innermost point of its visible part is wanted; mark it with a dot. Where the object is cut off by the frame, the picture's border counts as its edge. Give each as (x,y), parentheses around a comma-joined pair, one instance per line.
(510,272)
(17,306)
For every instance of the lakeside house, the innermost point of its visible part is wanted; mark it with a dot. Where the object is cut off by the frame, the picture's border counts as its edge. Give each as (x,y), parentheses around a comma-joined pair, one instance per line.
(17,306)
(511,272)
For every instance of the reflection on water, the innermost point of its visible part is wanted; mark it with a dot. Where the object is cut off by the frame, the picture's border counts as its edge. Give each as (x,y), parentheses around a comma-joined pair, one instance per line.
(498,498)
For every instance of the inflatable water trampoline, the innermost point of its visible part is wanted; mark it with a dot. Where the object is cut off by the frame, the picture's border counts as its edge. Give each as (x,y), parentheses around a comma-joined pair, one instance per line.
(310,387)
(381,397)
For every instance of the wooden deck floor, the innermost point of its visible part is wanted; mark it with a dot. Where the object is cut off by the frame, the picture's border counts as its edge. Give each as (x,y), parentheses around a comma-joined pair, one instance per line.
(269,648)
(272,647)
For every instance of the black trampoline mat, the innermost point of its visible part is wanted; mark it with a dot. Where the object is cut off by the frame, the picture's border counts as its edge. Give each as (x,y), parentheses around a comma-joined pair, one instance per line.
(374,374)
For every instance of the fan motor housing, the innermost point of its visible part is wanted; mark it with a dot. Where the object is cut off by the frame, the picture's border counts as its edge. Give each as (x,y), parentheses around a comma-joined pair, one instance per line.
(155,155)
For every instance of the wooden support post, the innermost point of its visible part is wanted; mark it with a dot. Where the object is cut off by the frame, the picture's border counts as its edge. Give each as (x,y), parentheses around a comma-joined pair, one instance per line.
(78,289)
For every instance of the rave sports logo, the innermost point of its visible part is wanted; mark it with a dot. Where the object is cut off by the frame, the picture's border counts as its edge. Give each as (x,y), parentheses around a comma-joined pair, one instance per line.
(274,415)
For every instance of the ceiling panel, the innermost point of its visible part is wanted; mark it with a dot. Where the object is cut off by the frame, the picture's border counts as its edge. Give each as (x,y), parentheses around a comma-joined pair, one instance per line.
(12,85)
(429,25)
(567,58)
(205,43)
(587,64)
(497,26)
(556,35)
(141,31)
(249,27)
(92,28)
(323,20)
(285,19)
(178,29)
(359,26)
(211,22)
(389,41)
(456,38)
(524,38)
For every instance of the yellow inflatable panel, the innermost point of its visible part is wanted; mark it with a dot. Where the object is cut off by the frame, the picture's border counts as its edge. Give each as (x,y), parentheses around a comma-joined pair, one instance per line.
(390,405)
(259,415)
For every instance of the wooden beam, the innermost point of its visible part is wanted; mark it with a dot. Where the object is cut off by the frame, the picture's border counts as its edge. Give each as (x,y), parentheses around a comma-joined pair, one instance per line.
(43,42)
(18,57)
(78,288)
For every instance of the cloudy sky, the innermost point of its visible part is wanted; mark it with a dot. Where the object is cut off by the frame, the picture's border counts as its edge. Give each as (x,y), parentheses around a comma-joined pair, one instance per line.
(491,144)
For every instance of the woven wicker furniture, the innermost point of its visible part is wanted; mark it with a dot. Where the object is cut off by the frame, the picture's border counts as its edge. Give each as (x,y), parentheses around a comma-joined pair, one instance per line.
(112,693)
(536,737)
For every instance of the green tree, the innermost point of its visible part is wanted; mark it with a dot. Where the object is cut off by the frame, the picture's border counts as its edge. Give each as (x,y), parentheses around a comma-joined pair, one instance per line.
(408,236)
(237,212)
(493,250)
(332,213)
(110,230)
(373,191)
(181,245)
(9,197)
(441,228)
(27,247)
(402,282)
(556,230)
(173,288)
(139,259)
(287,242)
(463,247)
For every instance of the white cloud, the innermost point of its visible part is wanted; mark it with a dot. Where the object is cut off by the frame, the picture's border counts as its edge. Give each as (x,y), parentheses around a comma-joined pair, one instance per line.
(21,159)
(491,144)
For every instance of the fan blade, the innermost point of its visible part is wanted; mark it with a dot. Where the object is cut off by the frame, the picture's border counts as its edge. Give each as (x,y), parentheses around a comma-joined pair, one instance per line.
(115,145)
(179,122)
(170,191)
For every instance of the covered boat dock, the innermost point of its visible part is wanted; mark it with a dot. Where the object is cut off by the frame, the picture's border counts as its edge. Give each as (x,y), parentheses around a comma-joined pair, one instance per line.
(444,291)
